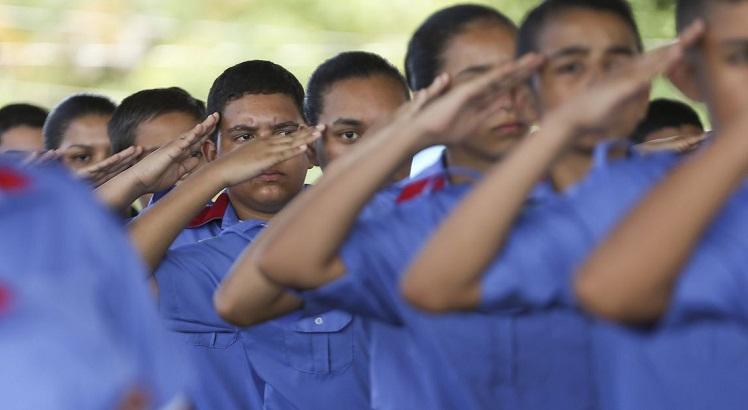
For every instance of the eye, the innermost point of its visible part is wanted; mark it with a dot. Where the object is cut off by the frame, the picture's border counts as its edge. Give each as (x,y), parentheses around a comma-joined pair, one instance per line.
(570,68)
(349,136)
(738,57)
(196,154)
(243,138)
(287,131)
(81,158)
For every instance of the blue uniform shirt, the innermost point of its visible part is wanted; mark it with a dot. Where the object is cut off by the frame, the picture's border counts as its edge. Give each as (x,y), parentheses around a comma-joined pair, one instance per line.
(696,356)
(319,361)
(78,327)
(454,361)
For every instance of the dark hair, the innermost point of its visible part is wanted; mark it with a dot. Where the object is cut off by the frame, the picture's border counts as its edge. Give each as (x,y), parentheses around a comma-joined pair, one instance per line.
(69,110)
(19,115)
(351,64)
(253,77)
(146,105)
(688,11)
(538,17)
(664,113)
(423,60)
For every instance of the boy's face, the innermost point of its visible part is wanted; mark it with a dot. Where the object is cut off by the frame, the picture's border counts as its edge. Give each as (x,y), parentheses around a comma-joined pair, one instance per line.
(581,46)
(480,47)
(263,116)
(86,141)
(722,62)
(22,138)
(351,107)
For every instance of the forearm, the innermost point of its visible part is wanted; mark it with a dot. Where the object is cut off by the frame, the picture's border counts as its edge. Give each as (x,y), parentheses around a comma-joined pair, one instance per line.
(153,231)
(120,192)
(441,278)
(631,276)
(304,239)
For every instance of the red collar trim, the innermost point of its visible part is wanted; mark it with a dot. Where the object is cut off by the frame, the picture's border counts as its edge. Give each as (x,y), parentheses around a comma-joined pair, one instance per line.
(5,299)
(11,180)
(420,187)
(212,212)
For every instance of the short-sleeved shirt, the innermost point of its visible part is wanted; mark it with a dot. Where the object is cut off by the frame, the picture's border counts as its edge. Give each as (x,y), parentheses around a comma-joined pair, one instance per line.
(78,326)
(296,361)
(695,356)
(454,361)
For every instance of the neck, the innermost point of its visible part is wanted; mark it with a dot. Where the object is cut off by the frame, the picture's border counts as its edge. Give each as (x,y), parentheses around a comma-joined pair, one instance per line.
(570,169)
(246,212)
(459,158)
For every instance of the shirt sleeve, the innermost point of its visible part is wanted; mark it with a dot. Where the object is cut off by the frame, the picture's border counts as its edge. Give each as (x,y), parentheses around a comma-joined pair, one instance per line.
(534,269)
(713,283)
(187,279)
(375,254)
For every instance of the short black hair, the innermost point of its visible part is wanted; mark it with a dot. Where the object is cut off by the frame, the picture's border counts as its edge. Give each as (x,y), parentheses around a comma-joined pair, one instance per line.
(351,64)
(70,109)
(19,115)
(664,113)
(538,18)
(423,60)
(688,11)
(253,77)
(146,105)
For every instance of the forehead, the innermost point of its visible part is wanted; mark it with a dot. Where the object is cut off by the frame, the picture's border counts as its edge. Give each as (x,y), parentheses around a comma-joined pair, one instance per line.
(591,29)
(163,128)
(262,109)
(727,20)
(362,98)
(87,130)
(479,44)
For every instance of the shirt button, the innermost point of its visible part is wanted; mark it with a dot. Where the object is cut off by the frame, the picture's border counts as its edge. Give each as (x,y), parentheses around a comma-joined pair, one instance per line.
(318,321)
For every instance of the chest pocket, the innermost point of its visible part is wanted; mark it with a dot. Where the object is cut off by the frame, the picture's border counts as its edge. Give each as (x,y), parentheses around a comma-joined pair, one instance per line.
(213,340)
(320,344)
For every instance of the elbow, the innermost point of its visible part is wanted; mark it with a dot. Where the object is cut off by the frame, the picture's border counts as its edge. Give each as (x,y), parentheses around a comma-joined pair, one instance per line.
(433,299)
(617,305)
(289,272)
(228,309)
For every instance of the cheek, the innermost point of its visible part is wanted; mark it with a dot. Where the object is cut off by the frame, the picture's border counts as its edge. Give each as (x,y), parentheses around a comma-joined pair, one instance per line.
(334,149)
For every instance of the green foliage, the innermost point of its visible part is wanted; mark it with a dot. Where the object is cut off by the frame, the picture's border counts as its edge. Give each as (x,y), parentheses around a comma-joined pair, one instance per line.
(55,47)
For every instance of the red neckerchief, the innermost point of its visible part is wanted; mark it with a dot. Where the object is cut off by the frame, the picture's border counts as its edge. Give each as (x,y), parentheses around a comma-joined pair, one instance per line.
(212,212)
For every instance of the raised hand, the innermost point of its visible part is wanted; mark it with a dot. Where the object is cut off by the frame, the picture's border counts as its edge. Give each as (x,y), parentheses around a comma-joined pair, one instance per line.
(678,144)
(101,172)
(597,109)
(255,156)
(162,168)
(451,116)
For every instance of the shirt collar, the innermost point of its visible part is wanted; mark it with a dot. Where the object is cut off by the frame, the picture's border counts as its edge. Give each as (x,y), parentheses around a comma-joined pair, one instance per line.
(213,212)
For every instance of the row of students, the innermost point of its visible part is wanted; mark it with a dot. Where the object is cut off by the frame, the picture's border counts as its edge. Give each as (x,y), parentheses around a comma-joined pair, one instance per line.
(518,278)
(329,306)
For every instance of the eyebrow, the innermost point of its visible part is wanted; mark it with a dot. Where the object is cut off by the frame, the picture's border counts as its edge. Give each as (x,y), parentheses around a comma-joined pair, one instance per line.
(286,124)
(348,121)
(81,146)
(476,69)
(242,127)
(569,52)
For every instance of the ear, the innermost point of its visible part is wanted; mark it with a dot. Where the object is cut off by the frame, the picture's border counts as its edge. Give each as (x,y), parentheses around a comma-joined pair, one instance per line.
(209,150)
(683,76)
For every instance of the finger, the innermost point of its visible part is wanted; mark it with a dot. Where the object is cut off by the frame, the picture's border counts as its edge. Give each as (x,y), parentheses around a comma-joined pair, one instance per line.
(692,34)
(503,78)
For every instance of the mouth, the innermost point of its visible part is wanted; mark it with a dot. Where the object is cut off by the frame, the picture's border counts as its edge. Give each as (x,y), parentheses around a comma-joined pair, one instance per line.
(271,176)
(509,128)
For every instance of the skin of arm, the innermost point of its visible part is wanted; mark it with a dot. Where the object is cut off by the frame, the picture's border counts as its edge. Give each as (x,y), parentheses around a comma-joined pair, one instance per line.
(153,232)
(441,279)
(328,211)
(630,277)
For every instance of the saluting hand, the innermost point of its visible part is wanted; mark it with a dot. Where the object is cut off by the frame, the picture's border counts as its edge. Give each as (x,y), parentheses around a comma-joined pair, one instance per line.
(165,166)
(101,172)
(596,110)
(255,156)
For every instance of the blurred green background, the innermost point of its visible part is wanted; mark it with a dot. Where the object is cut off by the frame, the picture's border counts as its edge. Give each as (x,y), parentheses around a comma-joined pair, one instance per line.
(51,48)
